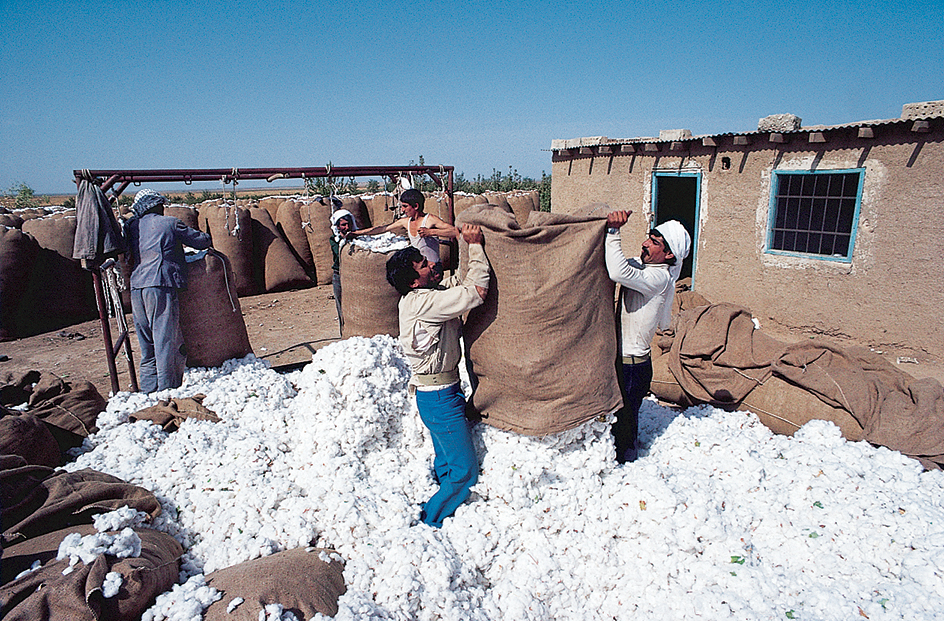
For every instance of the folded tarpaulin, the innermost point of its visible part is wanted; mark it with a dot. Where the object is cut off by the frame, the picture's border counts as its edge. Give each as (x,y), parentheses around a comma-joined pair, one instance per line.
(97,232)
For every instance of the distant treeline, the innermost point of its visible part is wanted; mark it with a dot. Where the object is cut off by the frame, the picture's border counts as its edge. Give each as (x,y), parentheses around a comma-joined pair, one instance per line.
(21,195)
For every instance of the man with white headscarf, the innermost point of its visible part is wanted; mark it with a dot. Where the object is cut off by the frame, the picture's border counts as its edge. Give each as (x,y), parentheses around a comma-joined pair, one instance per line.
(159,270)
(645,305)
(342,225)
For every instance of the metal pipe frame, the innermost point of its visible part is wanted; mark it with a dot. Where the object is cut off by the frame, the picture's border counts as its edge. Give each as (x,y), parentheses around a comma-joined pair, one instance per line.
(443,174)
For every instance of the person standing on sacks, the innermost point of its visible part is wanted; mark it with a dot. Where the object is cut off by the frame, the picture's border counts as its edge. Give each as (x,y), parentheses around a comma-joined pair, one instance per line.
(645,305)
(430,326)
(158,272)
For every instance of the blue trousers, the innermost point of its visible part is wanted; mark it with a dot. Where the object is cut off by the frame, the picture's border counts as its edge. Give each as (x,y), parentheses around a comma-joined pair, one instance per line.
(636,381)
(455,465)
(156,313)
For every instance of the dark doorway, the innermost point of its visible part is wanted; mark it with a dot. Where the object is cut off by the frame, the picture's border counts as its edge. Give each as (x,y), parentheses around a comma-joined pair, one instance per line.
(675,197)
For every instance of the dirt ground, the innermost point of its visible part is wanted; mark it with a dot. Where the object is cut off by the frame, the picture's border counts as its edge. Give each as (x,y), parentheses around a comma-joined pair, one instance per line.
(284,328)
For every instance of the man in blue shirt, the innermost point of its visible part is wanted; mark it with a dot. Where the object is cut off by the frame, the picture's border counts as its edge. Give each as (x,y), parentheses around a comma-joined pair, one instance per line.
(159,270)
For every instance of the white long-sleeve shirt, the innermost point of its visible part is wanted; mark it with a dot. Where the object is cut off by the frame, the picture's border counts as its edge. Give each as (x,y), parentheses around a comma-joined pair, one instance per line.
(645,288)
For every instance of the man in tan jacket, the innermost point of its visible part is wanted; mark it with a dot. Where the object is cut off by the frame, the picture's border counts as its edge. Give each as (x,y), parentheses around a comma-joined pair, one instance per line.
(430,326)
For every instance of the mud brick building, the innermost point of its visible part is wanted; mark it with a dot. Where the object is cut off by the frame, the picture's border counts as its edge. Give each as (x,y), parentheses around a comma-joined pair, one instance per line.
(837,229)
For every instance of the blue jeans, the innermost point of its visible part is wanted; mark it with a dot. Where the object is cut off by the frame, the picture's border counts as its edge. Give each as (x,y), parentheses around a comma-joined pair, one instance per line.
(156,314)
(636,381)
(455,465)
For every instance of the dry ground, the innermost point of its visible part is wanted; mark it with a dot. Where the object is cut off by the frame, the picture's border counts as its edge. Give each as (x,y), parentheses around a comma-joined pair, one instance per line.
(284,328)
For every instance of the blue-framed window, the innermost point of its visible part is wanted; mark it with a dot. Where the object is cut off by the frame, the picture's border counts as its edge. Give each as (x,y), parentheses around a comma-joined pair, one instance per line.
(815,213)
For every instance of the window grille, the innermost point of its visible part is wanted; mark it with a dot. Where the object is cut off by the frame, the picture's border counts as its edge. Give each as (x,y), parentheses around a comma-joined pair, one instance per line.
(815,213)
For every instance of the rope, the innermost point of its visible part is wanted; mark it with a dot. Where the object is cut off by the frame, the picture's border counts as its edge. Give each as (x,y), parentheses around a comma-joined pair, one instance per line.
(756,409)
(114,285)
(226,280)
(753,379)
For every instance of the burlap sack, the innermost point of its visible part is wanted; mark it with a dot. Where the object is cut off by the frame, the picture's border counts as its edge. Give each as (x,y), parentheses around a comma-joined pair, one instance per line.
(717,356)
(358,207)
(272,204)
(60,293)
(75,410)
(521,203)
(370,303)
(170,413)
(895,409)
(543,344)
(11,220)
(64,499)
(316,216)
(48,387)
(17,257)
(210,316)
(33,212)
(48,595)
(16,387)
(44,548)
(291,225)
(297,579)
(437,204)
(230,228)
(463,201)
(27,436)
(56,232)
(276,266)
(499,200)
(664,385)
(382,207)
(784,408)
(186,214)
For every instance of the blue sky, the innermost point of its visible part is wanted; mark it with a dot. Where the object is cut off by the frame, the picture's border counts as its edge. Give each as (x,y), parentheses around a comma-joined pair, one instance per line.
(477,85)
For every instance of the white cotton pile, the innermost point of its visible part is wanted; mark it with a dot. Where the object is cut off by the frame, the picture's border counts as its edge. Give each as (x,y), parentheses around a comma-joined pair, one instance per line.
(384,242)
(717,518)
(277,612)
(234,604)
(124,517)
(112,584)
(36,565)
(184,602)
(77,548)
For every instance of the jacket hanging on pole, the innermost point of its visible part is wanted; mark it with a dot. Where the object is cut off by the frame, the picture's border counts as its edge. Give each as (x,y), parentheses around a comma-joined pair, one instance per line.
(97,233)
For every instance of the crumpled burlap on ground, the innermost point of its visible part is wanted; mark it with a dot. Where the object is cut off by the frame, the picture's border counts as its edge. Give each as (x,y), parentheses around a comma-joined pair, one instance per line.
(47,595)
(169,413)
(68,411)
(718,357)
(297,579)
(894,409)
(37,500)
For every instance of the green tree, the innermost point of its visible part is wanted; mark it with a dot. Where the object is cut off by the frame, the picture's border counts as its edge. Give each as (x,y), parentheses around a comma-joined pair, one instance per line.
(23,196)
